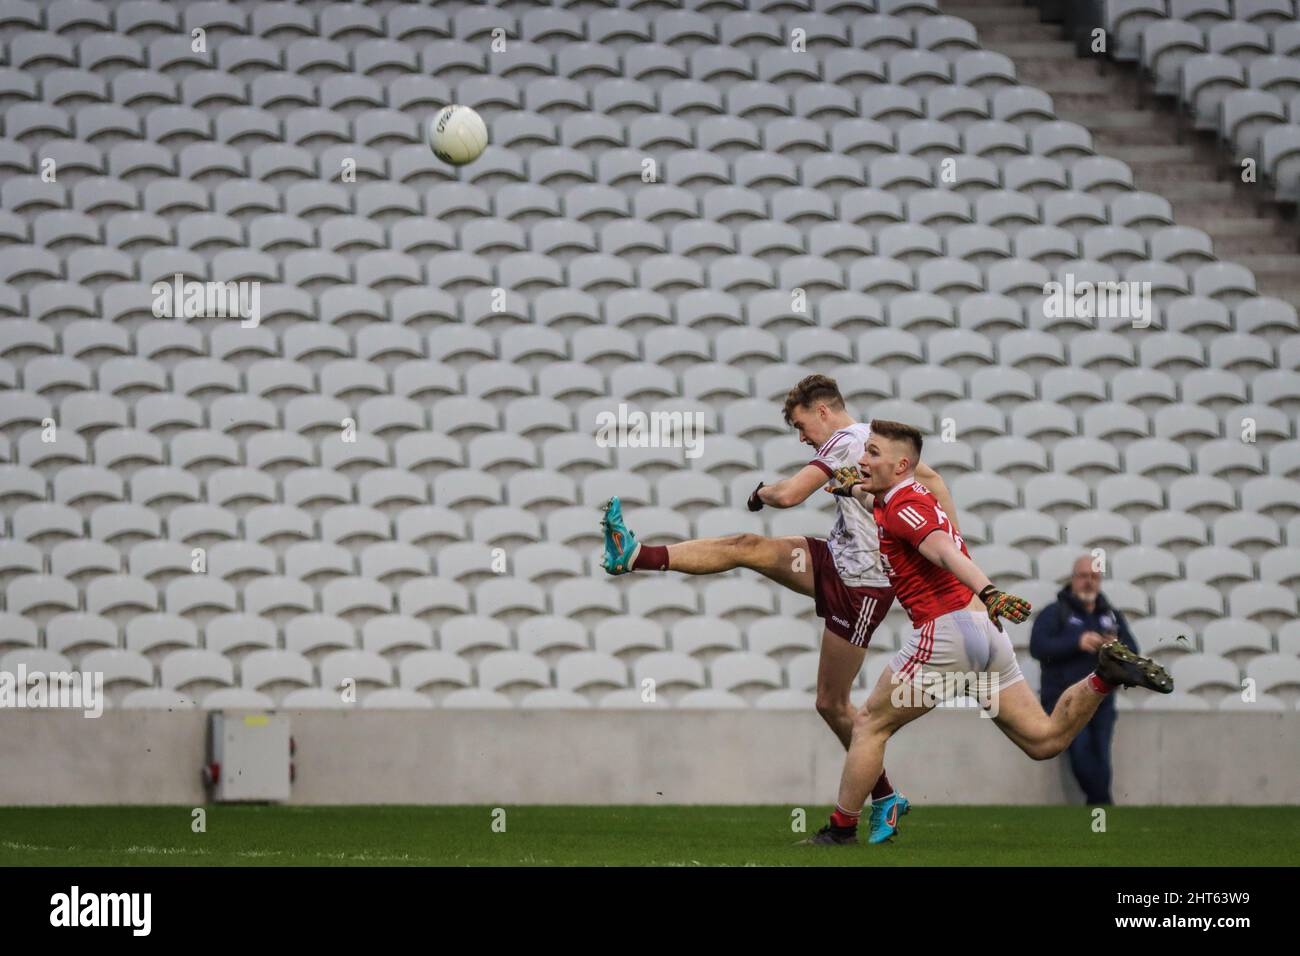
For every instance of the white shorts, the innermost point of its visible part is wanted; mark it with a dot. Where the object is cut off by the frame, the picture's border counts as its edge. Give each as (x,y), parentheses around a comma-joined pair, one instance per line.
(959,654)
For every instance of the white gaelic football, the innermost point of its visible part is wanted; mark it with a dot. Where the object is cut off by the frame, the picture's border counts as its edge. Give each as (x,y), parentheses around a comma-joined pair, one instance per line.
(457,135)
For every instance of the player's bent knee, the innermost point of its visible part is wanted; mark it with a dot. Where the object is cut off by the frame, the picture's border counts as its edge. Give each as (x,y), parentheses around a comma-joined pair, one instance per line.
(1059,745)
(833,706)
(1043,749)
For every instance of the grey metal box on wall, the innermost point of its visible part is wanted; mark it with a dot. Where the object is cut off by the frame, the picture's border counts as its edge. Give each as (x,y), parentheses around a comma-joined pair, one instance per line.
(250,757)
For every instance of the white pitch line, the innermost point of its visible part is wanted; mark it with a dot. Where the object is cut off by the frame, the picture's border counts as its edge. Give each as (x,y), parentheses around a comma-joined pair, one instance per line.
(242,854)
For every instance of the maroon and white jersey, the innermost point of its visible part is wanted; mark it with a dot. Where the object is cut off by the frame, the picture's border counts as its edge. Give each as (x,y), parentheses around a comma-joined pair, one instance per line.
(906,515)
(853,542)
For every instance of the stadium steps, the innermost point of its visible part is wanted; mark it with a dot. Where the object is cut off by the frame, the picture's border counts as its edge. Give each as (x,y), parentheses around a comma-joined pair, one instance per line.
(1184,167)
(1128,127)
(1014,32)
(1256,241)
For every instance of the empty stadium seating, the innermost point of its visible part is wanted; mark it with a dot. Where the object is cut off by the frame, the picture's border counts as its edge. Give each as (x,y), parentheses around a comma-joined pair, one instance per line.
(1232,66)
(392,480)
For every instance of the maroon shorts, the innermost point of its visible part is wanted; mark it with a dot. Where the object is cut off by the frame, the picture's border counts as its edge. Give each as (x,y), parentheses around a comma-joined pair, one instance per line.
(849,612)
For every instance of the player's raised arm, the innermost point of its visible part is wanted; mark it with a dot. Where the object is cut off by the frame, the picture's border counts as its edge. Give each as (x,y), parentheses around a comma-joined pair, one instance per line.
(941,549)
(788,492)
(935,485)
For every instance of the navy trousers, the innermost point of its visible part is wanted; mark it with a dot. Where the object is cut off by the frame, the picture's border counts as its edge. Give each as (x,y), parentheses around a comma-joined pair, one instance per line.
(1090,753)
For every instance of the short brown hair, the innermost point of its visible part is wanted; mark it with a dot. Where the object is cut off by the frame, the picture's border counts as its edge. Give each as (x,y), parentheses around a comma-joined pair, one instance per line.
(899,432)
(810,390)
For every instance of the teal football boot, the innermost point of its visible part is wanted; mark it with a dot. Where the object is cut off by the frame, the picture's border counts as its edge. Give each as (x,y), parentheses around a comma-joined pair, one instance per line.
(884,816)
(621,545)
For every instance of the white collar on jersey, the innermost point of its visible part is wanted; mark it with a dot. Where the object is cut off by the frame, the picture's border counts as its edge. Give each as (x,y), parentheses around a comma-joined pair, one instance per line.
(898,487)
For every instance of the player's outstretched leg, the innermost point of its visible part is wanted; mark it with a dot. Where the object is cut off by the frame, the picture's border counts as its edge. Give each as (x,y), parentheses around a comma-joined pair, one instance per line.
(785,560)
(1021,717)
(788,562)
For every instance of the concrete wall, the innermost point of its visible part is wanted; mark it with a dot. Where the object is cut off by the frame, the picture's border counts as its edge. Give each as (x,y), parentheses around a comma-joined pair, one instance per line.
(516,757)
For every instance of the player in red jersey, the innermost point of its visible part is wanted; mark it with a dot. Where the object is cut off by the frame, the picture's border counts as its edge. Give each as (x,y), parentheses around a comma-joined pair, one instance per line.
(957,638)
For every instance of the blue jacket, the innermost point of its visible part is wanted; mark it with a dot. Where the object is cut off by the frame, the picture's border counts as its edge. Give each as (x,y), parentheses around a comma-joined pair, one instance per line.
(1054,641)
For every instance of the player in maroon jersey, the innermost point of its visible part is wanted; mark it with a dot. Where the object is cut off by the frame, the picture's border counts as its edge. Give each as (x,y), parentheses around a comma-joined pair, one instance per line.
(957,633)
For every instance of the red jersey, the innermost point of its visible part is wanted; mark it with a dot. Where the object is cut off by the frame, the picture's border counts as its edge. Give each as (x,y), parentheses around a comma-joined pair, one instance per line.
(905,516)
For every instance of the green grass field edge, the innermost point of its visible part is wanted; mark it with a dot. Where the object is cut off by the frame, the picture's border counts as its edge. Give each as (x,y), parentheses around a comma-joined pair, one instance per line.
(391,835)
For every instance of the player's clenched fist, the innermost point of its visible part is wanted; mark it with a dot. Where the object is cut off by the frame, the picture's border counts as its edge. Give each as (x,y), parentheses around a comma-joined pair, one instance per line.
(843,480)
(1001,604)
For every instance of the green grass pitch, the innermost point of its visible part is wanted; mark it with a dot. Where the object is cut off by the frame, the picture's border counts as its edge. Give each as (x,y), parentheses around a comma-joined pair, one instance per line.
(635,836)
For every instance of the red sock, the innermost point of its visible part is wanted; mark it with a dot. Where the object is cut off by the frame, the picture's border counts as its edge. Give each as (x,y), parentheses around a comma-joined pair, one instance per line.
(651,557)
(841,818)
(1099,685)
(882,788)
